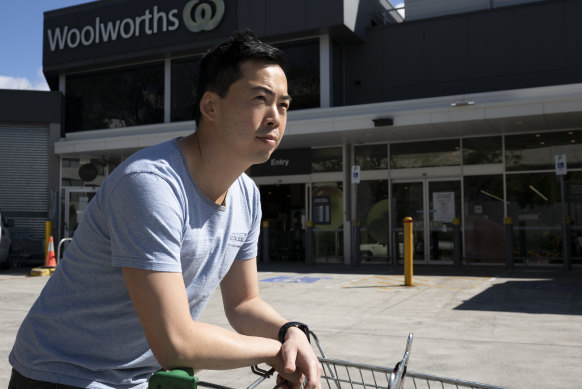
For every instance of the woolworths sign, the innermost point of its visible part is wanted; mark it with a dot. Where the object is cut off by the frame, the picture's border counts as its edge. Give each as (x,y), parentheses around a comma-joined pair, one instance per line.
(195,15)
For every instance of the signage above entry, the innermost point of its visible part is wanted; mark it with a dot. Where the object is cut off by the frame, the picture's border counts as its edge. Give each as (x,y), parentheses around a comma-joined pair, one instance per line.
(285,162)
(196,16)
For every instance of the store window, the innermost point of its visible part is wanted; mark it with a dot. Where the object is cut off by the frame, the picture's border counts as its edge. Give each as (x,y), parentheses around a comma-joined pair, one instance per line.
(184,83)
(485,150)
(425,154)
(534,204)
(373,218)
(326,160)
(87,171)
(115,98)
(573,185)
(337,86)
(484,219)
(371,157)
(302,72)
(536,151)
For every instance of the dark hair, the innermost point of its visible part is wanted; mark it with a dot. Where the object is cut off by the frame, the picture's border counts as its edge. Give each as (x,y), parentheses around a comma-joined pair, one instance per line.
(221,66)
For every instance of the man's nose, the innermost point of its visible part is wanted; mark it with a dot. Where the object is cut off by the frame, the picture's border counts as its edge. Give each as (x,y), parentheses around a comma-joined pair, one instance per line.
(272,116)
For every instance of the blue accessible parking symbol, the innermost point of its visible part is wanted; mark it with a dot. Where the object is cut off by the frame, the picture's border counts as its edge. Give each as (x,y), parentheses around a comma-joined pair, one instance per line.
(296,279)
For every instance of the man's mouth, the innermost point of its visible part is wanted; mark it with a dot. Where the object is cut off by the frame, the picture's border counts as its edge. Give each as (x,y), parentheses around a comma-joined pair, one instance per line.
(268,139)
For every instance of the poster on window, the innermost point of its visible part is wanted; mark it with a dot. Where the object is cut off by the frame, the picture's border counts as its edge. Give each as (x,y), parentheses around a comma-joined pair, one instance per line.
(321,210)
(444,206)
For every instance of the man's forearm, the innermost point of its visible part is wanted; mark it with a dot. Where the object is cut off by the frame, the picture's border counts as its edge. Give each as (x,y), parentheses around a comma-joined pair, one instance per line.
(255,318)
(210,347)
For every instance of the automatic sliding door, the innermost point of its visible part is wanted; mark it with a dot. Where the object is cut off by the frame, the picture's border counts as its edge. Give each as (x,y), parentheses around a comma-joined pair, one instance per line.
(408,201)
(444,198)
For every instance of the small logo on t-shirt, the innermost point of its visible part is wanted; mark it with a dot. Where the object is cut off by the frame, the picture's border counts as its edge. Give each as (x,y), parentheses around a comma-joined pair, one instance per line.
(237,239)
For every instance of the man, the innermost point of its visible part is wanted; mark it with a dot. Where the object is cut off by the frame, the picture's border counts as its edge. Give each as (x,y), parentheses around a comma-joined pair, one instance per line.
(166,227)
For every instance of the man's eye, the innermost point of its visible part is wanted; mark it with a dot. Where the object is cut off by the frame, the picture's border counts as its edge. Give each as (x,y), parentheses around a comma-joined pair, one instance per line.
(262,98)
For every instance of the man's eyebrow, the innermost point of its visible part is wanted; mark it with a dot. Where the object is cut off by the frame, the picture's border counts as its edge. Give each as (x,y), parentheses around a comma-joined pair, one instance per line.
(269,92)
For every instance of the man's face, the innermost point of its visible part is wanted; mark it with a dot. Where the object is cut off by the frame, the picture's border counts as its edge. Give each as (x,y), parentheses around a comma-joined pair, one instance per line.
(251,118)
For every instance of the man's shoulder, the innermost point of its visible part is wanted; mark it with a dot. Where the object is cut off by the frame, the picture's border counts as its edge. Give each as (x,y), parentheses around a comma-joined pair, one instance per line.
(247,185)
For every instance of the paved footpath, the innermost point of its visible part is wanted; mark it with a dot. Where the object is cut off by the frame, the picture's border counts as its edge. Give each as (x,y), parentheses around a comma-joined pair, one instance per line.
(518,329)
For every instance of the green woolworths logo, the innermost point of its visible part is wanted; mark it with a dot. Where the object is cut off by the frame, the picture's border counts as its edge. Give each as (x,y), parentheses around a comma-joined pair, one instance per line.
(197,15)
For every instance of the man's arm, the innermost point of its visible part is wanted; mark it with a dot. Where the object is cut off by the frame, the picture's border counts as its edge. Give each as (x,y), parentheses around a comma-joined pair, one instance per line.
(176,340)
(249,314)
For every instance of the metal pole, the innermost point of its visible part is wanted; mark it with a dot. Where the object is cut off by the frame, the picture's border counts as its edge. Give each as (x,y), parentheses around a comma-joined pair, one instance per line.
(457,249)
(266,258)
(309,242)
(408,251)
(509,243)
(565,227)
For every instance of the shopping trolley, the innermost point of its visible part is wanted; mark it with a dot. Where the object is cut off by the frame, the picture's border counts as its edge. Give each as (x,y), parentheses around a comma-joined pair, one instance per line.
(337,374)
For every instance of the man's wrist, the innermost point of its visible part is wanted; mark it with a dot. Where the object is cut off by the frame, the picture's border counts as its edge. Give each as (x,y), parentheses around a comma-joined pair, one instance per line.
(296,324)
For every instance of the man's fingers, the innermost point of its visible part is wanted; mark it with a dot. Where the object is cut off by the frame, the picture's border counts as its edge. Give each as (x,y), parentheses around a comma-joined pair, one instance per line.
(289,356)
(314,377)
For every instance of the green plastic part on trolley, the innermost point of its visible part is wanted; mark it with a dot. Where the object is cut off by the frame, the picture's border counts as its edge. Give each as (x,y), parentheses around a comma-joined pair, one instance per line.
(174,379)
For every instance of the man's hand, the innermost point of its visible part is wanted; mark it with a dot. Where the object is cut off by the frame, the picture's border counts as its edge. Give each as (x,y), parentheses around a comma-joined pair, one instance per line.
(299,361)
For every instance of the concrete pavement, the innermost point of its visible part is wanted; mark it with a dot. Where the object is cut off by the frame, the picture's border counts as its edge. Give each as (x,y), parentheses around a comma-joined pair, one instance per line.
(516,329)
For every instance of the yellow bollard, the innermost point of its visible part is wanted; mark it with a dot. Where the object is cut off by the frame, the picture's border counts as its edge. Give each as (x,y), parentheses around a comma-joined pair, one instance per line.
(408,251)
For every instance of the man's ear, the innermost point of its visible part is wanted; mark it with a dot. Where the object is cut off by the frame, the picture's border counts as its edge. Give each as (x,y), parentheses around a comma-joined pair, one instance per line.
(208,105)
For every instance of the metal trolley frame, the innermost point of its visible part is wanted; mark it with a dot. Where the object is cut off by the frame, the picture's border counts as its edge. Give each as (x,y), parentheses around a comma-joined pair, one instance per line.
(337,374)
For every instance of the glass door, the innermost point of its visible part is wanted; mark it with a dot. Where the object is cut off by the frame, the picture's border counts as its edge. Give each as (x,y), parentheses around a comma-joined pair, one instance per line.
(327,213)
(408,201)
(444,199)
(284,209)
(432,205)
(76,200)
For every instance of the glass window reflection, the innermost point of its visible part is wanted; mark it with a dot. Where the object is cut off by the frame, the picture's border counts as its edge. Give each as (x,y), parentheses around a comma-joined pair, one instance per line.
(484,227)
(478,151)
(371,157)
(425,154)
(535,208)
(373,215)
(115,98)
(184,80)
(536,151)
(326,160)
(302,72)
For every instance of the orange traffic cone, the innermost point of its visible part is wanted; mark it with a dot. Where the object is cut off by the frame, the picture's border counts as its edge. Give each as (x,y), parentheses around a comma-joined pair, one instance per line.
(50,263)
(50,258)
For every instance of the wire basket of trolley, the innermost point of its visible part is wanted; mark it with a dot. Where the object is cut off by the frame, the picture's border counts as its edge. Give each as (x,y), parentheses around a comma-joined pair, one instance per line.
(337,374)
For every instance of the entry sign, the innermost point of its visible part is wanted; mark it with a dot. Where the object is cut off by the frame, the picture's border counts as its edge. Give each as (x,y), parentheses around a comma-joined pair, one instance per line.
(561,165)
(355,174)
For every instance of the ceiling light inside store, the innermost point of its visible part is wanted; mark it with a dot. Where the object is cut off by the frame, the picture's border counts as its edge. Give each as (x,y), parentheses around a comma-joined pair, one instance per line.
(538,192)
(463,103)
(492,196)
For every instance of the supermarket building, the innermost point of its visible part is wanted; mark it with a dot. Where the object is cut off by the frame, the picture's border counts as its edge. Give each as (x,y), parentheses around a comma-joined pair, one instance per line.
(465,116)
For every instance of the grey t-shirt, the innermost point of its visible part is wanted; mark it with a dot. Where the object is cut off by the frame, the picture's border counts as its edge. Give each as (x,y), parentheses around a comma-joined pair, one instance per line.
(148,214)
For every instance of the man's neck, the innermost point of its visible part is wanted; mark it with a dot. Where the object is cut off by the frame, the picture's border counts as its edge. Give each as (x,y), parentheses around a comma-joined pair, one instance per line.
(212,171)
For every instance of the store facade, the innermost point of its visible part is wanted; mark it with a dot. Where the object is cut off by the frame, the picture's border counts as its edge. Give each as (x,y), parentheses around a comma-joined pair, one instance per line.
(435,119)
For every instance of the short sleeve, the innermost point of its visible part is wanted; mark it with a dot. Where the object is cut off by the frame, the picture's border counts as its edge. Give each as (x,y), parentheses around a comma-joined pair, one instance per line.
(146,220)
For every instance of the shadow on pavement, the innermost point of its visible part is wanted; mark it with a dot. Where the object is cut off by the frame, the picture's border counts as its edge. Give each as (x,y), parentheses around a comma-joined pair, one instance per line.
(533,296)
